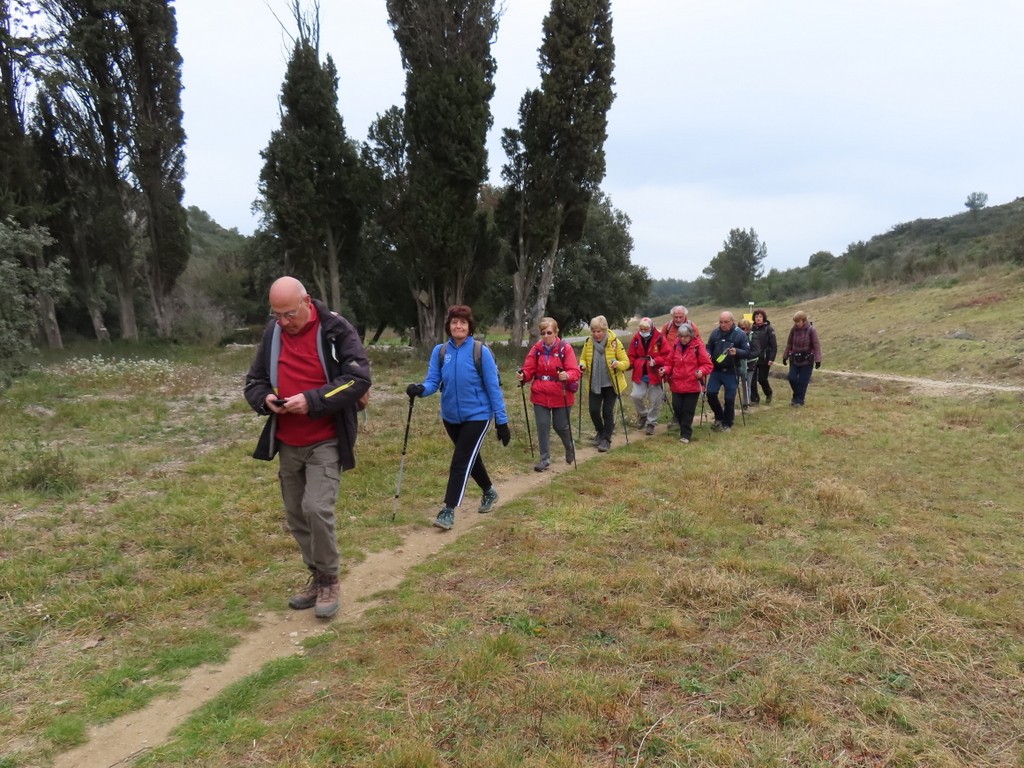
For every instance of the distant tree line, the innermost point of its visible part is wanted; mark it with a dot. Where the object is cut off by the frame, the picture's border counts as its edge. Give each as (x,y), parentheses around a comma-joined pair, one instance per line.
(94,240)
(908,253)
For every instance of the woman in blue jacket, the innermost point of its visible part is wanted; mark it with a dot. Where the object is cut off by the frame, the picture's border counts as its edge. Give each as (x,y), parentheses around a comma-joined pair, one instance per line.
(464,371)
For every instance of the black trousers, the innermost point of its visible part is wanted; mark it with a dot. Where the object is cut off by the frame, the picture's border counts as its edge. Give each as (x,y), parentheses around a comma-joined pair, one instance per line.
(685,406)
(762,379)
(602,411)
(466,460)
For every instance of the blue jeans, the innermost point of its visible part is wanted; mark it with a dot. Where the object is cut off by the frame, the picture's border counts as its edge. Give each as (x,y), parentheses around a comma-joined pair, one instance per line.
(799,378)
(723,380)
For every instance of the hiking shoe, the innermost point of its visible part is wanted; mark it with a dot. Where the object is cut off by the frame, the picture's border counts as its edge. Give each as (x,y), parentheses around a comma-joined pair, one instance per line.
(604,446)
(570,454)
(487,502)
(649,429)
(726,429)
(596,441)
(684,440)
(445,519)
(717,426)
(305,597)
(541,465)
(768,400)
(328,598)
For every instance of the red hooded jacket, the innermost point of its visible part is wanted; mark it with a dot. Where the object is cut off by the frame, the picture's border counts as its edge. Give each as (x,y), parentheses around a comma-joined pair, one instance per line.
(639,357)
(682,363)
(541,367)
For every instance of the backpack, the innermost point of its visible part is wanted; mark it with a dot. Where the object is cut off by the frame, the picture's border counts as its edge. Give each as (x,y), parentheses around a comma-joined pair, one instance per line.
(570,386)
(478,360)
(364,399)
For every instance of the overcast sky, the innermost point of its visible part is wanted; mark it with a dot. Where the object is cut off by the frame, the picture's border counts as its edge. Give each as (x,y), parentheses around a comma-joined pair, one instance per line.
(817,124)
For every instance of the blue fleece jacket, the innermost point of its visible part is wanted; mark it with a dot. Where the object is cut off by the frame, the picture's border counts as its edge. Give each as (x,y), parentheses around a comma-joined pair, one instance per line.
(464,397)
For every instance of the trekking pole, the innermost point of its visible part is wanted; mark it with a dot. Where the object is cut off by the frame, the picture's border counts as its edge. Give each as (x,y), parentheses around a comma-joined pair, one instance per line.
(568,421)
(703,399)
(526,413)
(667,399)
(741,382)
(401,466)
(579,423)
(622,411)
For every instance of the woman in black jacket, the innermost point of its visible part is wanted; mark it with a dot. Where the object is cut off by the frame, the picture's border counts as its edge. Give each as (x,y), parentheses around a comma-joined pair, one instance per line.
(764,345)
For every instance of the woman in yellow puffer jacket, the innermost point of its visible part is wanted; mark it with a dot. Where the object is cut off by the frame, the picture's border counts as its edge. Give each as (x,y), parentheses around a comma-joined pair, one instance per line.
(606,382)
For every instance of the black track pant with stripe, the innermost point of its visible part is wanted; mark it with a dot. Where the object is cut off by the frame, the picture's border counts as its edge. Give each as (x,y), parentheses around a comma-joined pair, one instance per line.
(466,460)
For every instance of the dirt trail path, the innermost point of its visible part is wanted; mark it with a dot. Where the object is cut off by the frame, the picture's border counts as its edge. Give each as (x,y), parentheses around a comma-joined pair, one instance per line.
(933,387)
(118,743)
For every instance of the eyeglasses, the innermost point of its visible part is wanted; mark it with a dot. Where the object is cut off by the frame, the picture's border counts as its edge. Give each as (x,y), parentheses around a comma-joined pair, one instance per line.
(289,315)
(547,333)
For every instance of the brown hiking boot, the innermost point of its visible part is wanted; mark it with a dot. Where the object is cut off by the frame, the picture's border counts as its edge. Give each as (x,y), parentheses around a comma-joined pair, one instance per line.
(328,597)
(306,597)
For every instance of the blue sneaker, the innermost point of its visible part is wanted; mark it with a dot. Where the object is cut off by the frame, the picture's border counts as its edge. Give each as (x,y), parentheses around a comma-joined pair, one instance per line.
(487,502)
(445,519)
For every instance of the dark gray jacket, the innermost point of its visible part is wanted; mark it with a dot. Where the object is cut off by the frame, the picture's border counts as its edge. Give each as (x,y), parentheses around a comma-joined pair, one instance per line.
(763,343)
(346,369)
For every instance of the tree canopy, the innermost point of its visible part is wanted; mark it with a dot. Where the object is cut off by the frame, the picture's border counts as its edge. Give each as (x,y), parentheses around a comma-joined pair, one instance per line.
(732,272)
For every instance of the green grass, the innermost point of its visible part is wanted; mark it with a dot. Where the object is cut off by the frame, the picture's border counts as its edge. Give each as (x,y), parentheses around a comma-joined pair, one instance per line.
(835,585)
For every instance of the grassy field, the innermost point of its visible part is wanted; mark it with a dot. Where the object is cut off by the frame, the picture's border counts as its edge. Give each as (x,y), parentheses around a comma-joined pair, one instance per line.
(835,585)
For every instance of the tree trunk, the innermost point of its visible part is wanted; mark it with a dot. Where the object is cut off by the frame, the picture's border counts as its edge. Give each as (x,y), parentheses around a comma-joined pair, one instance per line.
(431,319)
(126,302)
(47,310)
(333,277)
(518,310)
(96,315)
(48,321)
(320,282)
(544,285)
(162,312)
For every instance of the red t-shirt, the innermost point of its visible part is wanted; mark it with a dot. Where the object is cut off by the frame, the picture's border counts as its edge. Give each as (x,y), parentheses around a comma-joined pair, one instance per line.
(299,369)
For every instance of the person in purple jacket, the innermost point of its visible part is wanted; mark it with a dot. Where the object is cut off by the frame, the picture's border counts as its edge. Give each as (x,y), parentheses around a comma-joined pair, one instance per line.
(803,350)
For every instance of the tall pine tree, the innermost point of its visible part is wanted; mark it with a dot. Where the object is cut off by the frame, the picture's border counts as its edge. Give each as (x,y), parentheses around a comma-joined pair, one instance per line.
(732,272)
(556,157)
(311,170)
(446,53)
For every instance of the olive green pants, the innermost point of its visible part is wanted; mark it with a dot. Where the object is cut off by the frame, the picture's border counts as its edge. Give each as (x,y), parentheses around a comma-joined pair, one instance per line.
(310,476)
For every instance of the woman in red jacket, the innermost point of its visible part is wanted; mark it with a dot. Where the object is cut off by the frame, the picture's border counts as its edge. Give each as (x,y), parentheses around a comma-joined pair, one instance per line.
(647,393)
(551,366)
(685,366)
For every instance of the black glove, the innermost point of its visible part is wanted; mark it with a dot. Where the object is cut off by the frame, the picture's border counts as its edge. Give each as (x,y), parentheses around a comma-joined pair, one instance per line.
(503,434)
(817,366)
(785,361)
(414,390)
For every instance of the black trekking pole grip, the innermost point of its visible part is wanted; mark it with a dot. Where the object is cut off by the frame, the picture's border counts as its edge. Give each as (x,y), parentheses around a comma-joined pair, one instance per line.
(401,466)
(568,419)
(526,414)
(622,410)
